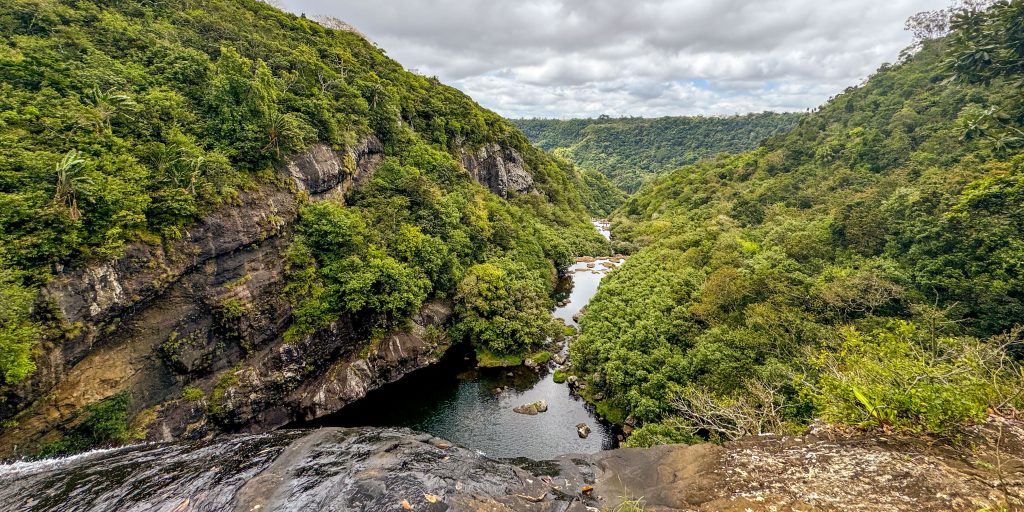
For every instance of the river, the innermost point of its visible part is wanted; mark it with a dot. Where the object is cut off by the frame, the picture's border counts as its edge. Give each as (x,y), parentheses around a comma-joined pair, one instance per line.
(456,401)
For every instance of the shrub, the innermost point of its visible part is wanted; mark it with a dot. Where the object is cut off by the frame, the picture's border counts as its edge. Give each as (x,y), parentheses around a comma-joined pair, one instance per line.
(192,394)
(102,423)
(897,377)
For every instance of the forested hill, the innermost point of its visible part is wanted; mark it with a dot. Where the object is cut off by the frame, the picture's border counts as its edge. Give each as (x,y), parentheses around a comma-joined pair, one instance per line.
(125,124)
(864,268)
(631,150)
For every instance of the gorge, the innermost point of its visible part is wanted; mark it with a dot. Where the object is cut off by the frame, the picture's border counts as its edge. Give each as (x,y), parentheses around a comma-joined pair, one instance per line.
(250,262)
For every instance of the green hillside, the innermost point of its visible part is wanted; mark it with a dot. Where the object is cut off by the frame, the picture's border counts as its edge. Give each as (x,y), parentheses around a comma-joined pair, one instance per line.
(631,150)
(129,120)
(865,268)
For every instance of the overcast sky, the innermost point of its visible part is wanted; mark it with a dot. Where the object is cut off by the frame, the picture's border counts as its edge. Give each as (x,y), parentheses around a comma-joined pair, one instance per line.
(584,58)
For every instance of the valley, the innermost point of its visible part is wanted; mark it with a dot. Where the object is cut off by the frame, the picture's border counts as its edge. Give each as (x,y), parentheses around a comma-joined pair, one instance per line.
(249,261)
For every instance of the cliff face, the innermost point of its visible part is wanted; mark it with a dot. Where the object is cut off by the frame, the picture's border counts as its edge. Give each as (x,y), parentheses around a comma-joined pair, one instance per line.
(323,172)
(498,168)
(208,311)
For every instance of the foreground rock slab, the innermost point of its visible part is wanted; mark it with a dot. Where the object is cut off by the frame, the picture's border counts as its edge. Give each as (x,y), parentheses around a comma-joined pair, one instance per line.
(371,469)
(327,469)
(833,471)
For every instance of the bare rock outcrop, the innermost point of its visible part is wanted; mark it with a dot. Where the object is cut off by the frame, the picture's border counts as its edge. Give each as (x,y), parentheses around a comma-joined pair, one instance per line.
(321,373)
(499,168)
(838,470)
(323,172)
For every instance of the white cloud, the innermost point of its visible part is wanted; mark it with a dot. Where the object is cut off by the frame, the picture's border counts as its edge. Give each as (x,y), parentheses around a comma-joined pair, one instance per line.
(574,58)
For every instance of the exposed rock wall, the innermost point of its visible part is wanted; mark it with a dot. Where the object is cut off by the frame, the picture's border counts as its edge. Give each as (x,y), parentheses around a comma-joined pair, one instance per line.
(323,172)
(500,169)
(208,311)
(100,304)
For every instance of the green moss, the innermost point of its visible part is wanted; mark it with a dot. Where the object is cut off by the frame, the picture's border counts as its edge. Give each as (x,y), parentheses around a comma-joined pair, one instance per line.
(370,346)
(610,412)
(542,357)
(559,376)
(487,359)
(231,285)
(234,308)
(230,378)
(192,394)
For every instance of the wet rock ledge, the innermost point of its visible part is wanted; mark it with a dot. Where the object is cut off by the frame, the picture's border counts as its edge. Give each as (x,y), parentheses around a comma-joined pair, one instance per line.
(369,469)
(327,469)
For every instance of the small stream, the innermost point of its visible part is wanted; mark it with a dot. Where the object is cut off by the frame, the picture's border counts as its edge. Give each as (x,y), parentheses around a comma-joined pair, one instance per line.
(457,401)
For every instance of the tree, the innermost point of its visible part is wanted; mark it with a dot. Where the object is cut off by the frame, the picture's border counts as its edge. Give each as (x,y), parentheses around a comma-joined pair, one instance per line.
(502,309)
(71,180)
(107,105)
(378,285)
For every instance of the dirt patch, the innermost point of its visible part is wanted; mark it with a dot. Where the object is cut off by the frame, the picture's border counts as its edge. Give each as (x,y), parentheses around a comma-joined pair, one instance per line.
(827,470)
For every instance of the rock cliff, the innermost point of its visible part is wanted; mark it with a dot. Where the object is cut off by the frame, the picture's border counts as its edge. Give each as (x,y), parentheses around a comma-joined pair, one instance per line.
(498,168)
(207,311)
(323,172)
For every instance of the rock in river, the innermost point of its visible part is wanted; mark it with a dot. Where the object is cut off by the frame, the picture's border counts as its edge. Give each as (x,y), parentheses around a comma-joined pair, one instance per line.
(532,409)
(583,430)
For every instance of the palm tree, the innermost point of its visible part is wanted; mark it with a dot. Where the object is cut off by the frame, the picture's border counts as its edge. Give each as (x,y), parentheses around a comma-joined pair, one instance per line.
(106,106)
(70,181)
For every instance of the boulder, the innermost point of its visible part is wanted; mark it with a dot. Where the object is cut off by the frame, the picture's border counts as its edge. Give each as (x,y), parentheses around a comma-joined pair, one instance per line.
(559,359)
(583,430)
(528,409)
(532,409)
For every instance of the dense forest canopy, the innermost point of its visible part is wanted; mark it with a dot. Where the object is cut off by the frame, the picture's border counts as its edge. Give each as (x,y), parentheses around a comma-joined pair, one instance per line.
(631,150)
(129,120)
(863,268)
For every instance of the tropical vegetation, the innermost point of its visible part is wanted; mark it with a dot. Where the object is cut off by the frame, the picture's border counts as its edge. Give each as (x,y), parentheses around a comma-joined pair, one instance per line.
(128,121)
(631,150)
(863,268)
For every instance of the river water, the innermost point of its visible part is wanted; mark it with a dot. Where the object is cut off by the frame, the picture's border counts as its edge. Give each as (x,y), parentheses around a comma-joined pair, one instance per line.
(456,401)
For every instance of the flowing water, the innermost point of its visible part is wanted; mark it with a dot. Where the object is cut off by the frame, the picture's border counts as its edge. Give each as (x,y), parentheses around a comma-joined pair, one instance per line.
(458,402)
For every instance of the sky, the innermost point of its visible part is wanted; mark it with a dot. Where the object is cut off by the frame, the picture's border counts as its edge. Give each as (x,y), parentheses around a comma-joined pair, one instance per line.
(585,58)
